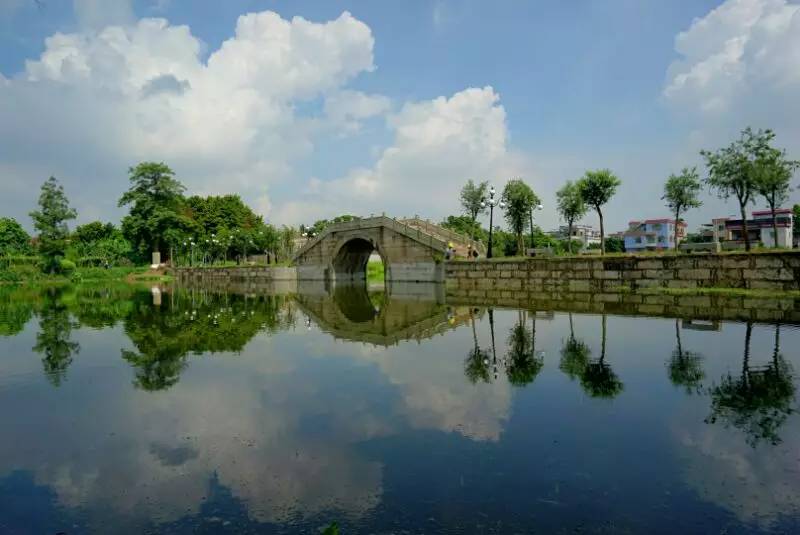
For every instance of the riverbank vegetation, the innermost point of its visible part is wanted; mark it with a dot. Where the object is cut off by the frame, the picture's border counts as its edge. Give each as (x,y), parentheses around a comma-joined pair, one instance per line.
(747,169)
(222,230)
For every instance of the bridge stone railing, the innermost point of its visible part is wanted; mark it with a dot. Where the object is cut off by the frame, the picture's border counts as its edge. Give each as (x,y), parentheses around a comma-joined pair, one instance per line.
(447,234)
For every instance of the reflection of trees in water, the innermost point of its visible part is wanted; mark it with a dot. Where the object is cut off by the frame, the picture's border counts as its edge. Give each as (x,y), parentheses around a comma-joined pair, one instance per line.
(596,376)
(195,323)
(574,354)
(598,379)
(522,364)
(102,306)
(685,367)
(759,400)
(17,304)
(476,365)
(53,339)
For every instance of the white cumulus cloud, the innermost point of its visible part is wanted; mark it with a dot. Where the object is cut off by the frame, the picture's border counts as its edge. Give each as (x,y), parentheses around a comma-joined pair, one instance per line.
(100,100)
(438,144)
(741,62)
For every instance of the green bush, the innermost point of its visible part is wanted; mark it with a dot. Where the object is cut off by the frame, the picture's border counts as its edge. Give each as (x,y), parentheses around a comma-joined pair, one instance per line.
(66,267)
(10,276)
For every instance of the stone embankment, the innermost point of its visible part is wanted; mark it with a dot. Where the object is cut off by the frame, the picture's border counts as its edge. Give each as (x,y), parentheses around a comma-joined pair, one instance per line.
(779,271)
(237,274)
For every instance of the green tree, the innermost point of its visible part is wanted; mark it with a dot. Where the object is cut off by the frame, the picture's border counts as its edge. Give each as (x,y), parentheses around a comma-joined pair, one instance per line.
(13,238)
(685,367)
(472,196)
(287,237)
(51,222)
(773,175)
(596,189)
(101,242)
(571,206)
(519,199)
(680,192)
(345,218)
(464,224)
(155,198)
(615,244)
(731,170)
(93,232)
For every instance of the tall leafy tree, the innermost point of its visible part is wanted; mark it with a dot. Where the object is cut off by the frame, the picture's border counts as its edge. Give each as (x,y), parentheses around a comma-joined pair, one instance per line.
(681,193)
(13,238)
(597,188)
(472,195)
(571,206)
(773,175)
(731,170)
(51,222)
(519,199)
(287,237)
(155,198)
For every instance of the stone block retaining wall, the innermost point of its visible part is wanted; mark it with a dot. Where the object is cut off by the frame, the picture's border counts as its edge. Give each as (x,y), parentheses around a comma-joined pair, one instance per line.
(758,271)
(237,274)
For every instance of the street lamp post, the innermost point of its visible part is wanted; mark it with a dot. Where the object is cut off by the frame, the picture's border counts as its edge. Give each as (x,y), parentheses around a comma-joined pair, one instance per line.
(308,234)
(537,207)
(491,202)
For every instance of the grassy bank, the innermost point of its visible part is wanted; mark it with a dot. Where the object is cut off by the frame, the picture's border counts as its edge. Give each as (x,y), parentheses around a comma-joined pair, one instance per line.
(375,271)
(27,274)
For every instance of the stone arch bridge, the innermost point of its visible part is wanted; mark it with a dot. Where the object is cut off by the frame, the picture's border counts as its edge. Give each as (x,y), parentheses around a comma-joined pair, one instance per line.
(411,249)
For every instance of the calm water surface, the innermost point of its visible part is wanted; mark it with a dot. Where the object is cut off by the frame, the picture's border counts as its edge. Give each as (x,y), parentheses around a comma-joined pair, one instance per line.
(184,411)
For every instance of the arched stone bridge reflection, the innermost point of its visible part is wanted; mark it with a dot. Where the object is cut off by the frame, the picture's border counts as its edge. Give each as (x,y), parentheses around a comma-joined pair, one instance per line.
(350,312)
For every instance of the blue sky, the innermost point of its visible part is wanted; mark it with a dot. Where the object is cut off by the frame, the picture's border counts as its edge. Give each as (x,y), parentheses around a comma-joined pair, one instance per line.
(559,87)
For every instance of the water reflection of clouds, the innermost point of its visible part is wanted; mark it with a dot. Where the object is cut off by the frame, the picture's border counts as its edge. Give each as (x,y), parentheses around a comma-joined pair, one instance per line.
(432,394)
(282,423)
(239,418)
(759,485)
(726,464)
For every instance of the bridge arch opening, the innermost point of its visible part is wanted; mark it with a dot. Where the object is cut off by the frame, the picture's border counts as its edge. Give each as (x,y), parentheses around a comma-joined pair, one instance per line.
(350,262)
